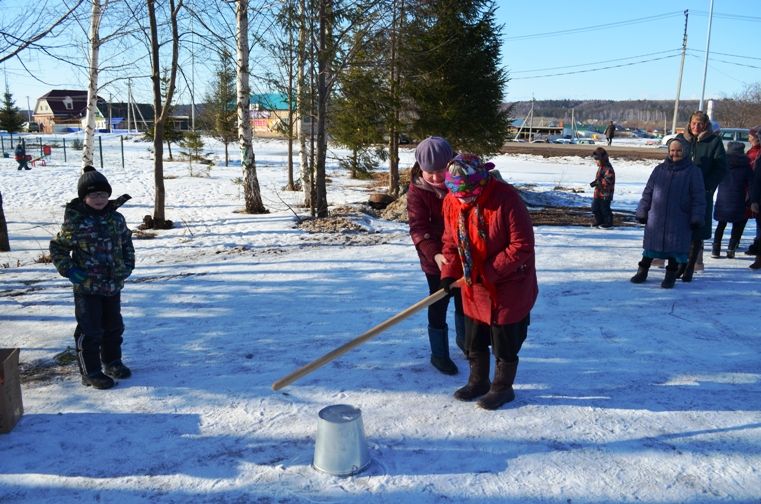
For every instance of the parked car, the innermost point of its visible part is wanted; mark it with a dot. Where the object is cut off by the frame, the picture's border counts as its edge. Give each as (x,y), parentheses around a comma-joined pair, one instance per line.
(30,127)
(734,135)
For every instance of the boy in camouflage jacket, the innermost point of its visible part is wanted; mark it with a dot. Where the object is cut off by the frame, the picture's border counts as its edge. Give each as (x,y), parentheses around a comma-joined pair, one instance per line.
(94,251)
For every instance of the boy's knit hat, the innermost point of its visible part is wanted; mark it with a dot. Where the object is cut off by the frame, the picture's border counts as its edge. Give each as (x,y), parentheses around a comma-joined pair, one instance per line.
(756,131)
(92,181)
(433,154)
(467,175)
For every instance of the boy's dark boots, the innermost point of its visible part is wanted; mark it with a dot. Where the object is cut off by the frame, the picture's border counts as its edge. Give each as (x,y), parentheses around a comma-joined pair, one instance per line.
(117,369)
(670,278)
(97,380)
(501,390)
(641,275)
(440,350)
(478,381)
(459,327)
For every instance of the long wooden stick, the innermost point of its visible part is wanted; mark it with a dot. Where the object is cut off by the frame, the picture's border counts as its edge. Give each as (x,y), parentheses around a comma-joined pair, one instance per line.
(317,363)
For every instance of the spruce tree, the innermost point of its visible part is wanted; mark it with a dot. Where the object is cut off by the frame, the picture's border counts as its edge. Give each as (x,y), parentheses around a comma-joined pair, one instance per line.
(221,116)
(357,115)
(10,118)
(452,74)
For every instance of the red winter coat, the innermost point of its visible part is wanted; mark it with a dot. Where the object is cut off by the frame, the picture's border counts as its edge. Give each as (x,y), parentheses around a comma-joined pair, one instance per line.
(426,222)
(508,267)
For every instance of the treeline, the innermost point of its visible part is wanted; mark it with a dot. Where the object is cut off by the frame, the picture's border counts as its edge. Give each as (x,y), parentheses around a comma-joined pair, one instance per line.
(730,112)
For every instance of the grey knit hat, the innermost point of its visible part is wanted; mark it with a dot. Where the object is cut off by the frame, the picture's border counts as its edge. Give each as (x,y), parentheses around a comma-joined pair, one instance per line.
(433,154)
(92,181)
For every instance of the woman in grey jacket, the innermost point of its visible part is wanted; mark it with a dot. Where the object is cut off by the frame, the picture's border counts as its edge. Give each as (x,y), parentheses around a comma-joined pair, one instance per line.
(672,208)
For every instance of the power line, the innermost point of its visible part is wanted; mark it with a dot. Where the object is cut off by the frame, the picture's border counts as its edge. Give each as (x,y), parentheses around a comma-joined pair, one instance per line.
(594,62)
(596,27)
(596,69)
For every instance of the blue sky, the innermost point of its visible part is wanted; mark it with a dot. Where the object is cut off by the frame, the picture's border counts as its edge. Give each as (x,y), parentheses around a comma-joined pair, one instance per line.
(556,49)
(628,49)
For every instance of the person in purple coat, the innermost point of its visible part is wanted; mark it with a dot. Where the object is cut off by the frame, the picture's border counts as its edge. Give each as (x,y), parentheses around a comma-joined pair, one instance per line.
(424,211)
(731,199)
(672,208)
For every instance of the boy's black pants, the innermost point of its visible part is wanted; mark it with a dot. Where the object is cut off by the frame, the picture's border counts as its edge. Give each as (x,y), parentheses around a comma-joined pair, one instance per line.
(98,335)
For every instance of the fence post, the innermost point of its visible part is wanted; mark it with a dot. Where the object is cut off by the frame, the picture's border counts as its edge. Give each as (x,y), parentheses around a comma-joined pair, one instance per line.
(100,146)
(121,139)
(64,149)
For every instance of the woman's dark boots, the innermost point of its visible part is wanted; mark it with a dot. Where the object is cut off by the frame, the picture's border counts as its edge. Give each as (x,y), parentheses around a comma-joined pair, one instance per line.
(716,250)
(459,325)
(670,278)
(732,249)
(478,381)
(754,249)
(440,350)
(689,270)
(644,267)
(501,391)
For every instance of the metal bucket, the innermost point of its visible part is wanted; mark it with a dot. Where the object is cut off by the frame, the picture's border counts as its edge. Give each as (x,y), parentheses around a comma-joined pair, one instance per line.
(340,448)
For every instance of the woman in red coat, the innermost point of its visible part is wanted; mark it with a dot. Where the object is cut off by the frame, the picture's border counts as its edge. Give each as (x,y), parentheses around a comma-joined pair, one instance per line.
(489,241)
(424,201)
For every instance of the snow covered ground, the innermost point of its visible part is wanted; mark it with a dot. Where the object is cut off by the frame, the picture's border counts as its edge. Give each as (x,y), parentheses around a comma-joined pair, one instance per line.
(624,393)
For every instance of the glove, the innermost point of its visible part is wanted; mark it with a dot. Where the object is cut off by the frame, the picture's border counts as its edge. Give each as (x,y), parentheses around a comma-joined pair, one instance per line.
(696,225)
(642,220)
(593,183)
(76,275)
(446,284)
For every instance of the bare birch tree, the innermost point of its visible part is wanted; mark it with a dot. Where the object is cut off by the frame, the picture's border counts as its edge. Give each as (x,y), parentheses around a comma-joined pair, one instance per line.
(92,87)
(162,109)
(251,192)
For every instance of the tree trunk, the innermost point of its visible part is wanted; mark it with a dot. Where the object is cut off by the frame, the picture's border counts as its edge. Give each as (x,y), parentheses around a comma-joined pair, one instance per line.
(323,68)
(393,143)
(301,106)
(92,87)
(251,190)
(4,243)
(161,109)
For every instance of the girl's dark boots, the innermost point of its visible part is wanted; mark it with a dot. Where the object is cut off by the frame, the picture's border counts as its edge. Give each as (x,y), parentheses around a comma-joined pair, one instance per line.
(757,263)
(478,381)
(641,275)
(440,350)
(501,391)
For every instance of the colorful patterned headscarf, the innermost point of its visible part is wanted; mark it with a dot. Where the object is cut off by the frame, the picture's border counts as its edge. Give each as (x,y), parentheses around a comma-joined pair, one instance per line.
(467,175)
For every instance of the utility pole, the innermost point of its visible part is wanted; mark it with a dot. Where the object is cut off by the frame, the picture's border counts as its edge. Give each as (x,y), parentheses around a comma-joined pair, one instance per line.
(28,111)
(705,66)
(681,71)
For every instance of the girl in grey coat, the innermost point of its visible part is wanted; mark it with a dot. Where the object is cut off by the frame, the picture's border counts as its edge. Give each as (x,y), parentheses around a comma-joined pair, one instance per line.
(672,207)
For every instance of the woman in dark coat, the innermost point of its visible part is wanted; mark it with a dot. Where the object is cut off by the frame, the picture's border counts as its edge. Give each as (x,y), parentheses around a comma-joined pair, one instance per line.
(707,153)
(755,202)
(672,208)
(731,199)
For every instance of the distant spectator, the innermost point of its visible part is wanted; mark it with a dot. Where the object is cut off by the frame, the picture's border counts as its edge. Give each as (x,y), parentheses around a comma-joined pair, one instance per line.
(671,208)
(707,153)
(753,155)
(610,132)
(755,201)
(20,154)
(604,184)
(731,199)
